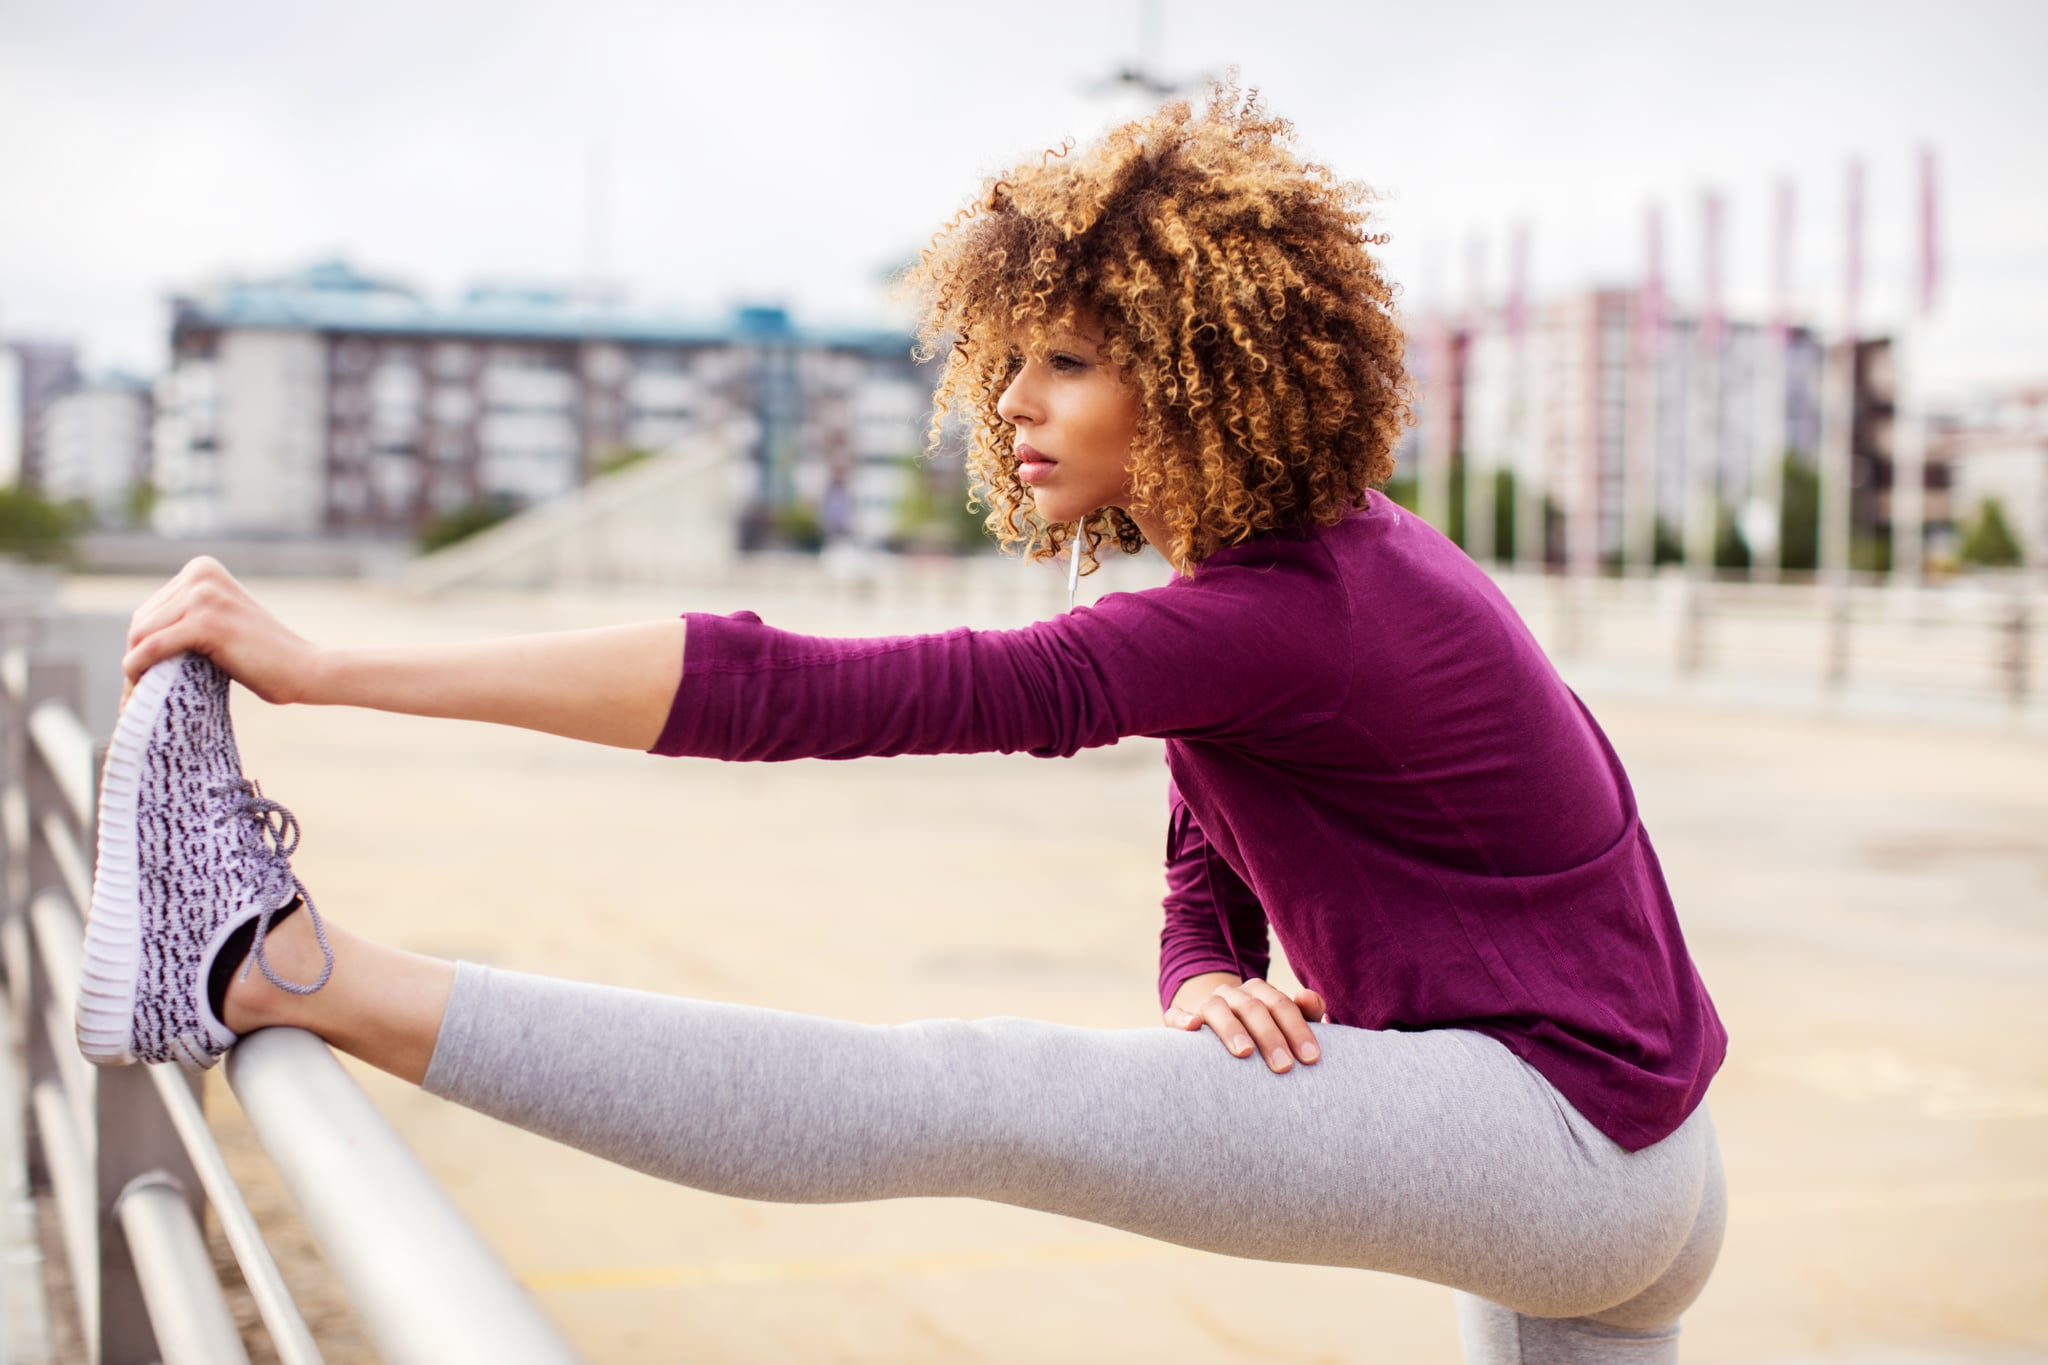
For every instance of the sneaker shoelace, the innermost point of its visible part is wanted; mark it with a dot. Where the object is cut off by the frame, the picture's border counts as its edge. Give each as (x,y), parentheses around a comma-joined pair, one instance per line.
(270,833)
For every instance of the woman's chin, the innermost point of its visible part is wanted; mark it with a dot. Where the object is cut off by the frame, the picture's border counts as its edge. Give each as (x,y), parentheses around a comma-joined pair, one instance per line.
(1053,509)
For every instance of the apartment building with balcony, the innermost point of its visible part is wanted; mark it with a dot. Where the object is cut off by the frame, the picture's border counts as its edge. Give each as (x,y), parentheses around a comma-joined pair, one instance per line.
(334,404)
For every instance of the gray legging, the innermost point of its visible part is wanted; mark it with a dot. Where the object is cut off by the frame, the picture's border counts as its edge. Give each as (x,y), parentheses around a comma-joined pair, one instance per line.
(1439,1155)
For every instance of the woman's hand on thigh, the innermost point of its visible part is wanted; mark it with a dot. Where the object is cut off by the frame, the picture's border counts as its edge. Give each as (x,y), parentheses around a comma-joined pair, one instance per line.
(1250,1014)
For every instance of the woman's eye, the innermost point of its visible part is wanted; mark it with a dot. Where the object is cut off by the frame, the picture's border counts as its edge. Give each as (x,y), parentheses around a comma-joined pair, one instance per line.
(1061,361)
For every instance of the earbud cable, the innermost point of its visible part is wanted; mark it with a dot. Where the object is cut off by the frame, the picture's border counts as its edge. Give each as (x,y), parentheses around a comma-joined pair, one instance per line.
(1074,564)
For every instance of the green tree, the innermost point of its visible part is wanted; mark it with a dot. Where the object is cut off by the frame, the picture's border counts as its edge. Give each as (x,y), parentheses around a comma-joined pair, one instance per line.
(1665,546)
(1554,547)
(1989,541)
(934,514)
(141,503)
(1504,515)
(1799,516)
(464,522)
(1871,553)
(625,457)
(799,527)
(34,528)
(1731,547)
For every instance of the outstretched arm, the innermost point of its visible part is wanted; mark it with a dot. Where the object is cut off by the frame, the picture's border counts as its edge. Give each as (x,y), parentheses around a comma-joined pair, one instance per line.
(608,686)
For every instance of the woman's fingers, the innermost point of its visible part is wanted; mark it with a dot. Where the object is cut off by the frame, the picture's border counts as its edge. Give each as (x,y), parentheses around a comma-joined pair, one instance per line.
(1287,1016)
(1217,1014)
(1256,1016)
(152,606)
(146,638)
(158,646)
(161,612)
(166,604)
(1255,1007)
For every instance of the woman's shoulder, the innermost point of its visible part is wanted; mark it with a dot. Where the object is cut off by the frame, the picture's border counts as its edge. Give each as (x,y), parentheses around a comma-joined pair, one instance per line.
(1378,515)
(1300,556)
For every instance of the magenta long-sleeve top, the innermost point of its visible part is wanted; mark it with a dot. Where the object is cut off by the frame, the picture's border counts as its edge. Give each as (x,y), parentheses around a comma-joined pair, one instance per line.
(1369,753)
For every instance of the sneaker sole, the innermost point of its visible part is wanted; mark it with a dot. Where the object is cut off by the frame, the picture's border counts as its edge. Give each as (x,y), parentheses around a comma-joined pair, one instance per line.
(111,964)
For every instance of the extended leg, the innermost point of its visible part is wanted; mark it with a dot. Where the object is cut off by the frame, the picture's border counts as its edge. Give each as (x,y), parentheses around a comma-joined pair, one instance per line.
(1438,1155)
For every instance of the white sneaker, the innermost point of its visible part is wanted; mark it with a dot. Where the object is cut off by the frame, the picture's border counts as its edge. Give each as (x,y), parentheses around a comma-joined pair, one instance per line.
(189,852)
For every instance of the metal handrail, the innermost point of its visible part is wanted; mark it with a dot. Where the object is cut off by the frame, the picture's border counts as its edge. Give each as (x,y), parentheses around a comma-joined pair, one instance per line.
(23,1306)
(72,1184)
(66,745)
(69,857)
(289,1334)
(193,1325)
(57,943)
(424,1283)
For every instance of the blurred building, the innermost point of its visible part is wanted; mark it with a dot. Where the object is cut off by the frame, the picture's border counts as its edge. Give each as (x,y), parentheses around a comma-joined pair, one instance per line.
(33,374)
(1616,425)
(93,447)
(330,403)
(1998,452)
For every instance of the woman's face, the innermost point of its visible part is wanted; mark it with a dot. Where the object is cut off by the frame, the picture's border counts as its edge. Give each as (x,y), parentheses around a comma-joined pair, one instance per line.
(1074,419)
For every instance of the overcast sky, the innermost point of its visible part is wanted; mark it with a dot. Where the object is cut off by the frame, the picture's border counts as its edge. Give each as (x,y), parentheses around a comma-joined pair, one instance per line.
(796,152)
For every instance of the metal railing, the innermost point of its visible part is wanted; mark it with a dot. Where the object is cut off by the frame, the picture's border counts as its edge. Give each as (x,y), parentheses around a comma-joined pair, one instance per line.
(126,1153)
(1972,647)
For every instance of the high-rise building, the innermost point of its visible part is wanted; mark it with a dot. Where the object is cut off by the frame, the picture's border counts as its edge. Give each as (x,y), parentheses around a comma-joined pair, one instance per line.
(330,403)
(38,373)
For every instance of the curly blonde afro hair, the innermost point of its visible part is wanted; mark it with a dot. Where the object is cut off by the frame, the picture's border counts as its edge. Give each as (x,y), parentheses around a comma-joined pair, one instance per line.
(1239,299)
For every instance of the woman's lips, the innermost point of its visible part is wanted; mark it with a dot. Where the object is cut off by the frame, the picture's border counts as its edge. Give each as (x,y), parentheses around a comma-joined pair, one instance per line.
(1033,465)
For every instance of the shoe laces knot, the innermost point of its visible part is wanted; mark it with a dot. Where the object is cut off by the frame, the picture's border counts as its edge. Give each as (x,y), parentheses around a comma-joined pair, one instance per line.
(269,835)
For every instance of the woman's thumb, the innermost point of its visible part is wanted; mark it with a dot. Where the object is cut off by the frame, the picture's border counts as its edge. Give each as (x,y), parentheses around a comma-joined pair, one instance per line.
(1311,1004)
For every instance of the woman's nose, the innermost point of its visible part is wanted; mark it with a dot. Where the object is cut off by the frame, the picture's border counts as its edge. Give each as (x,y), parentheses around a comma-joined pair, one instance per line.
(1015,404)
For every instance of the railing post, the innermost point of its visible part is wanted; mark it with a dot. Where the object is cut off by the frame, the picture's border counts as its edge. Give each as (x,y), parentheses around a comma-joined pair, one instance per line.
(135,1138)
(2014,654)
(1835,636)
(1692,624)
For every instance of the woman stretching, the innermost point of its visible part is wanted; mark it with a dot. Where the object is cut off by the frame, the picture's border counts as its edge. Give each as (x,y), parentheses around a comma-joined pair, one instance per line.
(1179,339)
